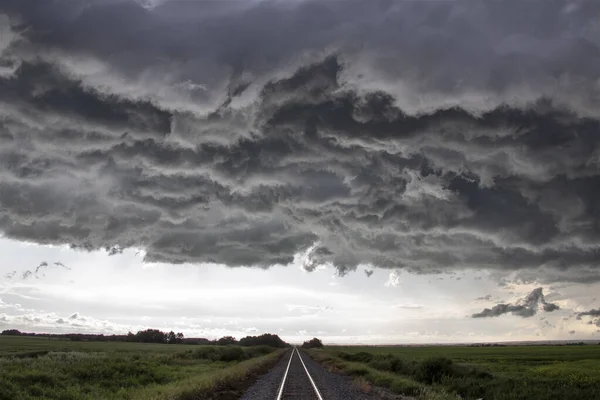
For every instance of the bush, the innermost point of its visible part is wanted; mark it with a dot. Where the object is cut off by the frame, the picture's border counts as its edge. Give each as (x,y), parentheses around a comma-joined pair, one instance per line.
(224,353)
(362,357)
(314,343)
(233,353)
(433,370)
(256,351)
(204,353)
(386,362)
(471,372)
(226,341)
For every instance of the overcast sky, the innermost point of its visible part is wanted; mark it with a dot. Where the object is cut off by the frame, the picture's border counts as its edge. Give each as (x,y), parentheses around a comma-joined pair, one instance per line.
(373,172)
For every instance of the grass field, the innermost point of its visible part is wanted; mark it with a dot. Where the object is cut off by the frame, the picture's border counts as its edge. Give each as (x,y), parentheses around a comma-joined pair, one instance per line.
(35,368)
(500,373)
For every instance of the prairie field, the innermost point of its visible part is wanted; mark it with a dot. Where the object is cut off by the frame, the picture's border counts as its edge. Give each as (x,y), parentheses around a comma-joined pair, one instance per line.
(36,368)
(447,372)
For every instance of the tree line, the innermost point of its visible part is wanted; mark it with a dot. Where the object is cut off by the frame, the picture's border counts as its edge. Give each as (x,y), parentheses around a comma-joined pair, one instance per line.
(158,336)
(266,339)
(145,336)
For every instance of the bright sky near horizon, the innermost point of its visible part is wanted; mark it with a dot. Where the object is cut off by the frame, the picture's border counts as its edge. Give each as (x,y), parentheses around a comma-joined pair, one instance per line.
(363,171)
(95,292)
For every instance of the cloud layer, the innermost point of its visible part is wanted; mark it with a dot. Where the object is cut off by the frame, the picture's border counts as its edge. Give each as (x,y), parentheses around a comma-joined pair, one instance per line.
(424,136)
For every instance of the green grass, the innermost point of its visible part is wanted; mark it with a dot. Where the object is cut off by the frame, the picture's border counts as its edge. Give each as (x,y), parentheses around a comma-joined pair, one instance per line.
(18,345)
(502,373)
(35,368)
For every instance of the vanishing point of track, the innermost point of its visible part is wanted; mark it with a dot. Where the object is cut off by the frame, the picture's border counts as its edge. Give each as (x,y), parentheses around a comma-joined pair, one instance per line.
(297,384)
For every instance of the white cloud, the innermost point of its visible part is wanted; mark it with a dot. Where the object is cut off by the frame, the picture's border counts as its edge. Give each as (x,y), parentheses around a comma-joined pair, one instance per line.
(394,279)
(409,306)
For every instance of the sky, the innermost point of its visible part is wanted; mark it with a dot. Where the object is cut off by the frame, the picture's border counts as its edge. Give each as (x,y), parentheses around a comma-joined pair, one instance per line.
(365,172)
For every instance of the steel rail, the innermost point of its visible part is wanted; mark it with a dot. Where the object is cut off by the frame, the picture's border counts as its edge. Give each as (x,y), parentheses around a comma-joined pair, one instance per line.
(280,392)
(309,377)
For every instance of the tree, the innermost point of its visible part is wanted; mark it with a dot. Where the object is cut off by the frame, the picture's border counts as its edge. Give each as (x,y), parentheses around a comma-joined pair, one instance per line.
(226,340)
(314,343)
(173,338)
(266,339)
(11,332)
(151,336)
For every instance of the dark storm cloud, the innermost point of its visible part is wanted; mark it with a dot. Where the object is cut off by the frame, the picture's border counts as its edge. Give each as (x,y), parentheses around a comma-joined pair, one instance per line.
(426,136)
(526,307)
(593,313)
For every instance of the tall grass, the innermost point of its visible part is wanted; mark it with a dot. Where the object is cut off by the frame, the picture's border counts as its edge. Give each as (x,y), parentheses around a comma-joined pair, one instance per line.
(504,373)
(200,386)
(147,372)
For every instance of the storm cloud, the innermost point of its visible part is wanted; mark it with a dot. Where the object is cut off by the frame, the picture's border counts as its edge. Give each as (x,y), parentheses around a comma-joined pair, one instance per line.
(526,307)
(593,313)
(424,136)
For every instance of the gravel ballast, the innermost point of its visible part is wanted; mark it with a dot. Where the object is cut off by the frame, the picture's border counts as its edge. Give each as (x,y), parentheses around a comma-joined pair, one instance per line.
(332,386)
(267,385)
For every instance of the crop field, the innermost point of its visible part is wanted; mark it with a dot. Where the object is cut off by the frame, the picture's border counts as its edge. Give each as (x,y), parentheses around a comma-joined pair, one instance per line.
(36,368)
(500,373)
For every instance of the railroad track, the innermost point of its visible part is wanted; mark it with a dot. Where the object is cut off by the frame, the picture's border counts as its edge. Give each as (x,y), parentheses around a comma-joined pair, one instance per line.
(297,384)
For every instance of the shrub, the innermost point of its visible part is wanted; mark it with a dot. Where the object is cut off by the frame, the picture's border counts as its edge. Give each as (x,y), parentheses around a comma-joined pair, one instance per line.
(225,353)
(357,357)
(256,351)
(314,343)
(233,353)
(432,370)
(226,341)
(386,362)
(205,353)
(471,372)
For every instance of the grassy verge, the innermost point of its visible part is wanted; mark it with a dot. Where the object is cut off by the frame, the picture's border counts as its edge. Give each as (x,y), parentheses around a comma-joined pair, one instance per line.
(34,368)
(365,374)
(504,373)
(224,384)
